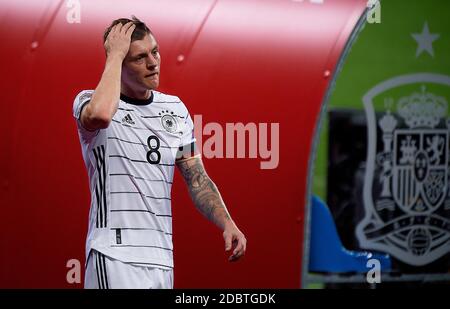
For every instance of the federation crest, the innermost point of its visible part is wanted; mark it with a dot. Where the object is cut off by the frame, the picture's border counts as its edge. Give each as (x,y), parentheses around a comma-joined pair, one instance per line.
(406,184)
(169,123)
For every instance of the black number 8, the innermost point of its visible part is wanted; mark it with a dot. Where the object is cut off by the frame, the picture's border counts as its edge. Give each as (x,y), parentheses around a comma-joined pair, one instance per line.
(153,150)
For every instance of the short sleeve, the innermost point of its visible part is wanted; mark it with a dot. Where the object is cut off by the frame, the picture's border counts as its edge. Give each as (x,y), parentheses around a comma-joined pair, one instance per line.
(187,147)
(79,103)
(188,136)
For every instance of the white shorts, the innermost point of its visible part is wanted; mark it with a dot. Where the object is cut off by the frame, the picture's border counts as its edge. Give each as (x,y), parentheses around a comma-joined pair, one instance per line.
(103,272)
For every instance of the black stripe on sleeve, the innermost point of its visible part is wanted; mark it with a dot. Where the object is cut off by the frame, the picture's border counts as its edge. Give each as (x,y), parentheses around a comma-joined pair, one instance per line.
(104,186)
(99,271)
(99,154)
(104,270)
(99,209)
(99,184)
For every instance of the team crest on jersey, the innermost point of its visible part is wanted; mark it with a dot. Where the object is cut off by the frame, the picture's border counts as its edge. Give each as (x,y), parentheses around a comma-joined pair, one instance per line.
(168,121)
(406,194)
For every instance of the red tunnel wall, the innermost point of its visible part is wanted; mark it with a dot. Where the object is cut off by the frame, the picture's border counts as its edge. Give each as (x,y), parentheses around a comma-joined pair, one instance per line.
(245,61)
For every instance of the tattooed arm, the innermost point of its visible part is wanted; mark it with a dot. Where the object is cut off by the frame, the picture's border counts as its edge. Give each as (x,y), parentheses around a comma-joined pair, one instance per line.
(208,201)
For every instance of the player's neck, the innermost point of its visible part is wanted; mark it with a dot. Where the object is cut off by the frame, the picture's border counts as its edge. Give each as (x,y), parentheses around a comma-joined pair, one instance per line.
(140,95)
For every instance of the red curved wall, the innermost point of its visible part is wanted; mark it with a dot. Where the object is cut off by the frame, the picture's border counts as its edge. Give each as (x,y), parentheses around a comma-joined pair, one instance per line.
(248,61)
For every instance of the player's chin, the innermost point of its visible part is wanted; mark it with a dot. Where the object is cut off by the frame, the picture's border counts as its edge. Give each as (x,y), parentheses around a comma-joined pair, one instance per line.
(152,84)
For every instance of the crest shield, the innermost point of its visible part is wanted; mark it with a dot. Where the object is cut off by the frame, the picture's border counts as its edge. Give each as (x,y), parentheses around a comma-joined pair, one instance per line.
(406,195)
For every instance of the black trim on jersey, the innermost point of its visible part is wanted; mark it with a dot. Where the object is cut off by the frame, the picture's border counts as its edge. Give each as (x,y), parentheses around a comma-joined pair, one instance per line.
(97,194)
(142,178)
(101,283)
(126,109)
(161,116)
(140,161)
(137,128)
(140,210)
(168,102)
(97,271)
(101,271)
(125,141)
(162,172)
(83,105)
(99,207)
(156,264)
(138,143)
(135,101)
(137,192)
(104,270)
(139,229)
(104,187)
(186,151)
(151,116)
(142,246)
(79,118)
(119,236)
(99,154)
(125,157)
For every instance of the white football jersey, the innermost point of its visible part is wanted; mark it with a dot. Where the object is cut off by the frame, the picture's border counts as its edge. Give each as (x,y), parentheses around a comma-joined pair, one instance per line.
(130,166)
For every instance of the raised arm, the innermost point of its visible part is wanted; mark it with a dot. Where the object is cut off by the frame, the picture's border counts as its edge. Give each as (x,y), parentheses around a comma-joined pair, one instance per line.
(207,199)
(98,113)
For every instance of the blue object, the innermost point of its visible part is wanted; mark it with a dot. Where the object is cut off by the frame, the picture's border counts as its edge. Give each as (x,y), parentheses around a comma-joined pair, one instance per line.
(327,254)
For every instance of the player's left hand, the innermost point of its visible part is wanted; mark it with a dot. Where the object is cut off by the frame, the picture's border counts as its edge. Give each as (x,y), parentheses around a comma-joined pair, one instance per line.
(234,238)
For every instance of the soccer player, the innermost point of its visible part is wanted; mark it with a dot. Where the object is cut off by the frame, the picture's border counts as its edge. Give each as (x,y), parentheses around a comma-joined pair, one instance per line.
(132,137)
